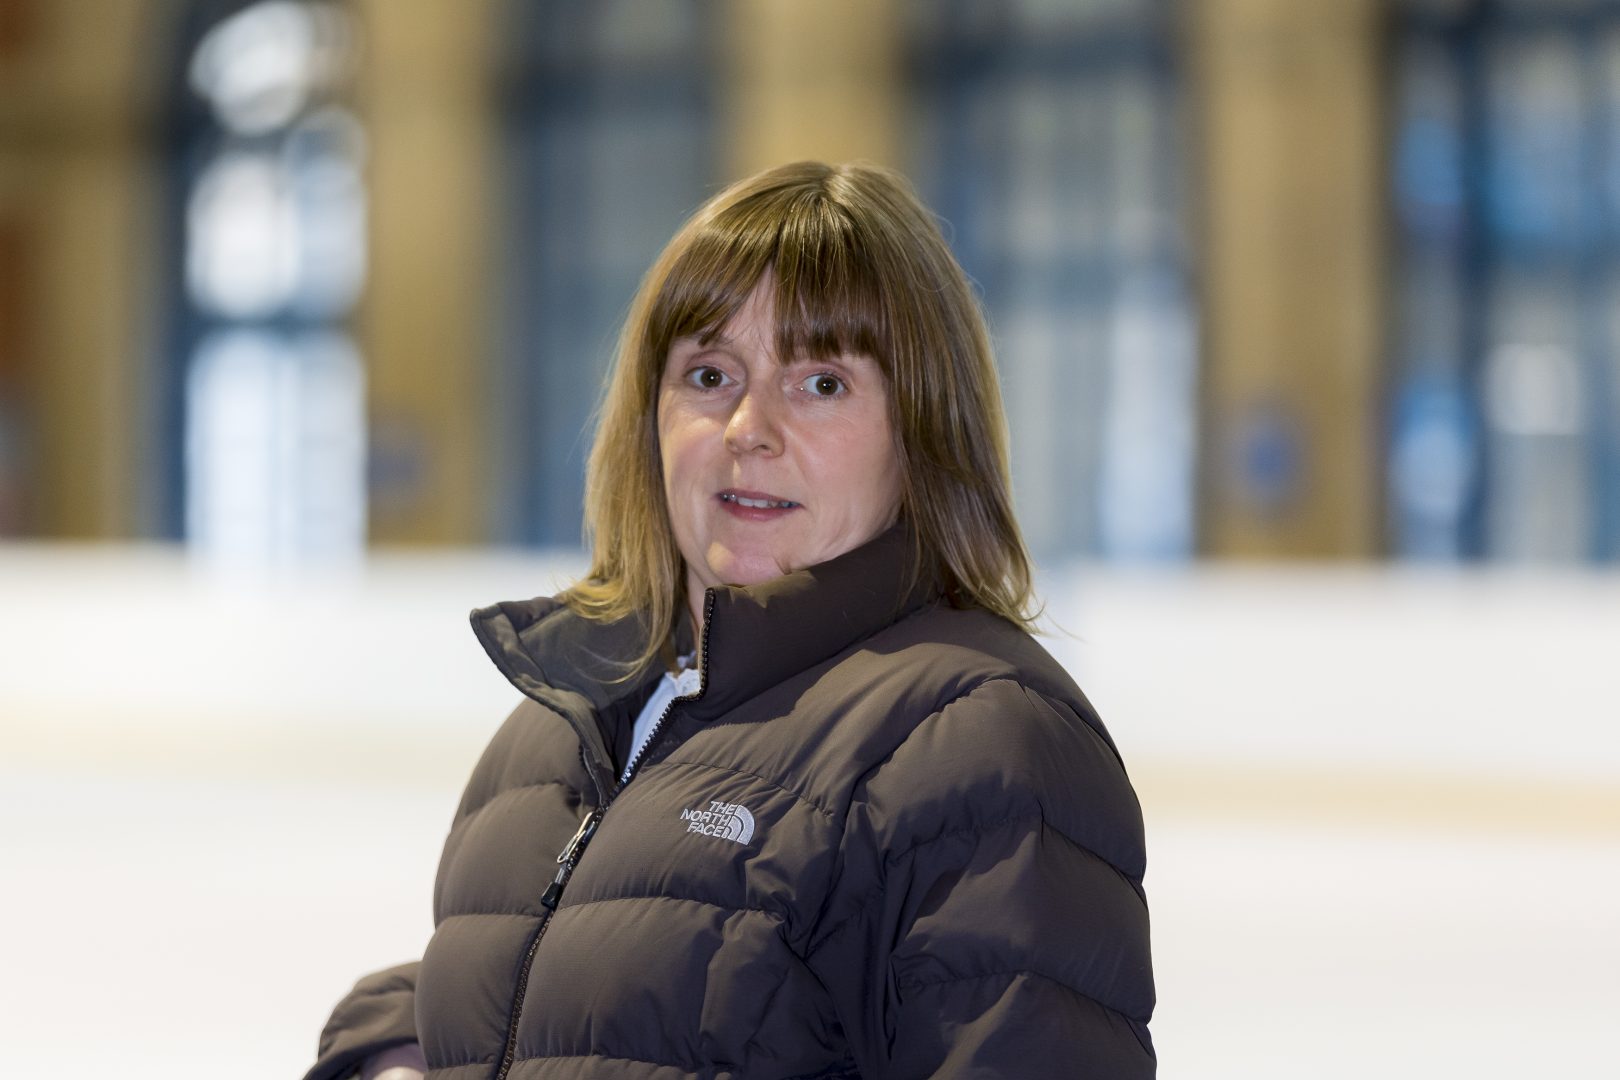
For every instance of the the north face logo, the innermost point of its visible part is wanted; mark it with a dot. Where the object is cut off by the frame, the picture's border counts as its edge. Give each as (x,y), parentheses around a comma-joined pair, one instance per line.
(727,820)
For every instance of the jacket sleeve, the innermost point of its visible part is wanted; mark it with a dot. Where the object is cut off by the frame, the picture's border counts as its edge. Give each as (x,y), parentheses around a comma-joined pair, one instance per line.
(380,1012)
(377,1014)
(988,918)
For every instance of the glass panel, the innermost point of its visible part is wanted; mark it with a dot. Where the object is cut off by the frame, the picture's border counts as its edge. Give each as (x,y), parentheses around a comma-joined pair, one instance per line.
(1534,387)
(1428,134)
(274,449)
(1434,457)
(241,256)
(259,67)
(1145,481)
(273,399)
(1534,176)
(322,158)
(1046,139)
(1504,417)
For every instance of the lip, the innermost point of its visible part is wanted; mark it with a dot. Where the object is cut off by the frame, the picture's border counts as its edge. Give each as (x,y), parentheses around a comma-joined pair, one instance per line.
(727,499)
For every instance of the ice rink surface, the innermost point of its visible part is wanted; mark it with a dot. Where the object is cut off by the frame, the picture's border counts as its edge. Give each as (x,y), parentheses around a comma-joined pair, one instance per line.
(1383,811)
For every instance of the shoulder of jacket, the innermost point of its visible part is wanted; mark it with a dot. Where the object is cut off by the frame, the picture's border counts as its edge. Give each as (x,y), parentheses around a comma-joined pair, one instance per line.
(1015,742)
(533,747)
(953,655)
(990,723)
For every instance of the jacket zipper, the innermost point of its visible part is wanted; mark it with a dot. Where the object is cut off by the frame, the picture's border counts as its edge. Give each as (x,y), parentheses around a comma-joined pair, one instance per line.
(569,857)
(703,684)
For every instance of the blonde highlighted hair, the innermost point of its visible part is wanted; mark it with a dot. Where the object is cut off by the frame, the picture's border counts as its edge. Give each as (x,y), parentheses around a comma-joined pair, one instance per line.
(857,265)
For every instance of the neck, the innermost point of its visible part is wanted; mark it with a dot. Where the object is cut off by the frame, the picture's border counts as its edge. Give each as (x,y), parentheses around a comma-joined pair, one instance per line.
(694,611)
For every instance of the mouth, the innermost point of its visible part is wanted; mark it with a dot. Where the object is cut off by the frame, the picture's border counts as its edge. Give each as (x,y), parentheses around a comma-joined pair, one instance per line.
(754,500)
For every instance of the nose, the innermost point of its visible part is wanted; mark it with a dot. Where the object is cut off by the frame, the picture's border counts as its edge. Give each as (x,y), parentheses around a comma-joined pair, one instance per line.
(755,424)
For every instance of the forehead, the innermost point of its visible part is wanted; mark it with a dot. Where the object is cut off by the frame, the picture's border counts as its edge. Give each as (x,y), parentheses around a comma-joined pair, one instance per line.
(753,323)
(753,331)
(794,304)
(752,327)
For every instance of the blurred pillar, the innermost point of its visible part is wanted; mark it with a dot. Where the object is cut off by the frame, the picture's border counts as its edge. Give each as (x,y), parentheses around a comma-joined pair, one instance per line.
(1289,171)
(76,203)
(425,98)
(811,79)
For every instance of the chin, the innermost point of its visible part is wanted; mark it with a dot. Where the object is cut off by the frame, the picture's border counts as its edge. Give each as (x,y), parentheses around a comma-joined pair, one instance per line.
(753,569)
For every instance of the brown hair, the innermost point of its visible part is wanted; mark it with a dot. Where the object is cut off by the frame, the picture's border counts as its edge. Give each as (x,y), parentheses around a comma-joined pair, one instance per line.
(858,265)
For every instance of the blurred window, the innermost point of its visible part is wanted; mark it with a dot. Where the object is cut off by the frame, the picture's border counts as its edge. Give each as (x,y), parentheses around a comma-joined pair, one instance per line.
(272,214)
(1048,136)
(607,115)
(1505,153)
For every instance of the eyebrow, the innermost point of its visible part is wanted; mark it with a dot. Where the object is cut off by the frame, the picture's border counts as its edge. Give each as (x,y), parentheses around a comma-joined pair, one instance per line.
(703,339)
(716,336)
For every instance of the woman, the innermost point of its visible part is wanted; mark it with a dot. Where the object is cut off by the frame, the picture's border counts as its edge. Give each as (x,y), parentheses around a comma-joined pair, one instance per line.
(792,791)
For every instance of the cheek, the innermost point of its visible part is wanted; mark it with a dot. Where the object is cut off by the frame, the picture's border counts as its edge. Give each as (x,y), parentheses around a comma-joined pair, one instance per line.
(885,485)
(868,470)
(672,447)
(678,485)
(684,455)
(668,458)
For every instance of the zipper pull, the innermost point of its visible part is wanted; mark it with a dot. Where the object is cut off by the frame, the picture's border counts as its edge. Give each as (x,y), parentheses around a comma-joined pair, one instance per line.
(567,857)
(581,837)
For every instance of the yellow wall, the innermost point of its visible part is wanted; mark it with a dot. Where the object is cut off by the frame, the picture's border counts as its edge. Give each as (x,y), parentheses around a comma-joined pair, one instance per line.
(812,80)
(76,176)
(423,326)
(1287,170)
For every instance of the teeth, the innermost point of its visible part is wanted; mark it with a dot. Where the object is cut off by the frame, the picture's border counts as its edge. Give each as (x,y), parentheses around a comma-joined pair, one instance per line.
(759,504)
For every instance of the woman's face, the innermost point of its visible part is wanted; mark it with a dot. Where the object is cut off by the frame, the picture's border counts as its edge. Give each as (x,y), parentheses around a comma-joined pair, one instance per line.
(771,467)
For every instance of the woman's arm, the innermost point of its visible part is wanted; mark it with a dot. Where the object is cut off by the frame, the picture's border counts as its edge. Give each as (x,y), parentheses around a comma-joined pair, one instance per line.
(999,927)
(403,1062)
(379,1013)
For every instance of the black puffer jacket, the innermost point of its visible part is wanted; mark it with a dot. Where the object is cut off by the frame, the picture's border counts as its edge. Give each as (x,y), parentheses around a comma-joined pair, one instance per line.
(888,838)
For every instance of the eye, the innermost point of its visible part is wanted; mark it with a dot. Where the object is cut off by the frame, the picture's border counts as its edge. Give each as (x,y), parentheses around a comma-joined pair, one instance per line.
(825,385)
(707,378)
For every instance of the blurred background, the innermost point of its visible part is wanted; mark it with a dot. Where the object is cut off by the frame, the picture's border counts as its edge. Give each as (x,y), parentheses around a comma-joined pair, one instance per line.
(1309,324)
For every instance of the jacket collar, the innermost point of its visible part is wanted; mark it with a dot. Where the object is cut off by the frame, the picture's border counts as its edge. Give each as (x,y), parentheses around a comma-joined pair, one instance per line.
(755,636)
(762,635)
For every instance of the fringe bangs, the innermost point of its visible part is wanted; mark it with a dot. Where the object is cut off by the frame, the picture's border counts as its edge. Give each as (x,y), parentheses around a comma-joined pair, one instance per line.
(827,295)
